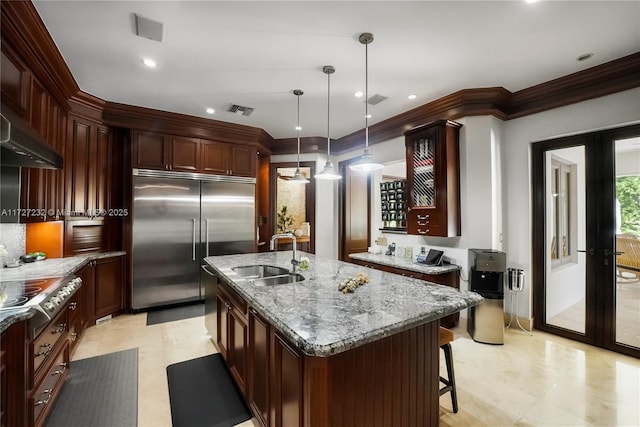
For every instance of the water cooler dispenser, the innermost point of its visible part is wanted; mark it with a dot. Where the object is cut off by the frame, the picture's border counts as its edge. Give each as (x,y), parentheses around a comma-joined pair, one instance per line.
(486,277)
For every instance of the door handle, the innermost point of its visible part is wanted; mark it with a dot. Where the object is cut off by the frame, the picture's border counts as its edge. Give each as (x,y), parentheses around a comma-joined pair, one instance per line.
(591,251)
(206,235)
(193,249)
(607,252)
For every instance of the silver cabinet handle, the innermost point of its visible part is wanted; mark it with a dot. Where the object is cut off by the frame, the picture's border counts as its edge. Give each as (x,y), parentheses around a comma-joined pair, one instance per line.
(423,222)
(206,235)
(209,272)
(44,353)
(422,216)
(63,365)
(73,306)
(193,250)
(421,231)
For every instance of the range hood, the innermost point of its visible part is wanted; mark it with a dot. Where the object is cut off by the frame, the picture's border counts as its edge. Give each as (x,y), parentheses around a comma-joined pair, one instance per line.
(20,145)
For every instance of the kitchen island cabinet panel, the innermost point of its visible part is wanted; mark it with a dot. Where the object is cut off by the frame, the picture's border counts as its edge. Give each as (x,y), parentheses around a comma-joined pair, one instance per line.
(258,374)
(287,391)
(232,336)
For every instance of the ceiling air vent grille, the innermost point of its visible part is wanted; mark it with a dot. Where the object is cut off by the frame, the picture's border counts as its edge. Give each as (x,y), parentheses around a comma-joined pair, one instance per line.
(376,99)
(148,28)
(239,110)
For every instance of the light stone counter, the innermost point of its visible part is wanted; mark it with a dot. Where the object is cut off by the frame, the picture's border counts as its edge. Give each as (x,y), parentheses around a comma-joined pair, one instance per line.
(45,269)
(403,263)
(51,268)
(321,321)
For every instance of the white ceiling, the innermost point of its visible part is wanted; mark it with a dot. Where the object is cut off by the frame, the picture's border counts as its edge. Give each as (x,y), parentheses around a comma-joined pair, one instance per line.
(254,53)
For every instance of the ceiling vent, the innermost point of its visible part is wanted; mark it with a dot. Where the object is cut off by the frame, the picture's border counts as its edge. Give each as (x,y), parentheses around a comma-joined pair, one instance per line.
(239,110)
(376,99)
(147,28)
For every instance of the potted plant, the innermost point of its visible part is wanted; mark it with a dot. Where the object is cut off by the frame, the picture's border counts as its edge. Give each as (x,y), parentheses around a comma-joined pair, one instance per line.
(285,220)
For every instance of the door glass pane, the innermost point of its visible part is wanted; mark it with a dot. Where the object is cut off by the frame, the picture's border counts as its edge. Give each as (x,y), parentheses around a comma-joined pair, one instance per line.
(424,155)
(565,278)
(627,208)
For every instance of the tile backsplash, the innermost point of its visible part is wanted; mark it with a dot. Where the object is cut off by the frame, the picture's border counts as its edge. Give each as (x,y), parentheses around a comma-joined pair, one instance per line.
(13,236)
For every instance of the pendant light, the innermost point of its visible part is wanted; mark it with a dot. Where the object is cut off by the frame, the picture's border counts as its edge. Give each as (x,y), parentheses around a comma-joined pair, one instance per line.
(328,172)
(366,163)
(297,176)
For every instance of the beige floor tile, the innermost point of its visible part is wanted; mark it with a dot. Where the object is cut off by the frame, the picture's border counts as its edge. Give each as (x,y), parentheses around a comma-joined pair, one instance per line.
(539,380)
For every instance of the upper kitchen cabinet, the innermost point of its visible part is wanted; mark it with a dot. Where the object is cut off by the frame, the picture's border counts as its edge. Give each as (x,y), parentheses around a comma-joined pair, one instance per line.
(228,159)
(433,179)
(175,153)
(90,166)
(158,151)
(14,81)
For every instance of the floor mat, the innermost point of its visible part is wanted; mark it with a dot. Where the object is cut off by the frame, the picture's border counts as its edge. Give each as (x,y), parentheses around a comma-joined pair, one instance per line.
(203,394)
(171,314)
(100,391)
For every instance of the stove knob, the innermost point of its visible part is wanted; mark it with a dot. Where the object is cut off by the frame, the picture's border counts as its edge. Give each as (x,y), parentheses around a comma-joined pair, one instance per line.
(49,306)
(55,300)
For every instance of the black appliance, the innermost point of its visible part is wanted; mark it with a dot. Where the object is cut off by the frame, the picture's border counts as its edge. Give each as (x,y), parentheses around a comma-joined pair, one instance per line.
(486,277)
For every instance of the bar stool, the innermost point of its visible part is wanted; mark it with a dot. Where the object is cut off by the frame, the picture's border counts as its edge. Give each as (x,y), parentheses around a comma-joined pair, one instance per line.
(446,336)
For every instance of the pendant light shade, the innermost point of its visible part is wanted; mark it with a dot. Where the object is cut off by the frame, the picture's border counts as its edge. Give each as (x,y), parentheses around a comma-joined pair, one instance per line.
(366,163)
(328,173)
(297,176)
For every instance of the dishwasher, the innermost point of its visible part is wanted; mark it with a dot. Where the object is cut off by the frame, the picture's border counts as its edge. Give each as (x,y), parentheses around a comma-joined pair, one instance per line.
(210,282)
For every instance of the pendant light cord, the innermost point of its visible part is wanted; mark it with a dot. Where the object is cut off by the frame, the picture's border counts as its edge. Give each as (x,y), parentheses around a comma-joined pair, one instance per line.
(328,114)
(298,131)
(366,95)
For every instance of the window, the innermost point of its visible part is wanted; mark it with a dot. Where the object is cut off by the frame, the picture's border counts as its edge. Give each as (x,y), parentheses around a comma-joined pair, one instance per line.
(563,212)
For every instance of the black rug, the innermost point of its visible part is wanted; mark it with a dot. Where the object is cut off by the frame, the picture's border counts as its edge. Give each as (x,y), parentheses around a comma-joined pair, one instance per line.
(171,314)
(203,394)
(100,391)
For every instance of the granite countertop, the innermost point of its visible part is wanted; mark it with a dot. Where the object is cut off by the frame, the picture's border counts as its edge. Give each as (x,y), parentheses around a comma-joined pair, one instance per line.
(321,321)
(403,263)
(48,268)
(51,267)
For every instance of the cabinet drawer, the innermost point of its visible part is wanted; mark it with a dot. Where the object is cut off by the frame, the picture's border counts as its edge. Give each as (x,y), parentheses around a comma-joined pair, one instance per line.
(424,222)
(45,345)
(43,396)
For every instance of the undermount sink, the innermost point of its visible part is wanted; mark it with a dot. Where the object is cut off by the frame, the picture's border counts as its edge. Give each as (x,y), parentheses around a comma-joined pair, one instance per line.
(260,271)
(279,280)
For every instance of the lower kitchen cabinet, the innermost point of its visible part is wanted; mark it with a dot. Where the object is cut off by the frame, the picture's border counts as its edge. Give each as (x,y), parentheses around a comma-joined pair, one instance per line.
(287,391)
(258,373)
(13,353)
(102,284)
(232,334)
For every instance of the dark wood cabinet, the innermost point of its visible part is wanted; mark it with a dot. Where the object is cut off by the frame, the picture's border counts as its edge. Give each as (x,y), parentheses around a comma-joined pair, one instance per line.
(433,179)
(89,167)
(150,150)
(258,374)
(228,159)
(287,391)
(232,336)
(177,153)
(108,286)
(14,81)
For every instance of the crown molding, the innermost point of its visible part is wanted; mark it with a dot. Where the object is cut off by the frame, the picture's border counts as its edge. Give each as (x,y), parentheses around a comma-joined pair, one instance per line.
(22,28)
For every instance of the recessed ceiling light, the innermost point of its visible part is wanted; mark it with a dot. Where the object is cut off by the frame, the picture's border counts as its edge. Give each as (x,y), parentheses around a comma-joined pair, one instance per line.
(531,1)
(149,62)
(412,96)
(368,116)
(298,128)
(358,94)
(210,111)
(584,57)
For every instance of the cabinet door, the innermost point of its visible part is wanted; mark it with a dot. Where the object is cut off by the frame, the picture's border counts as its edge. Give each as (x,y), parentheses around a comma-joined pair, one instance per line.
(222,338)
(14,82)
(287,384)
(108,286)
(215,158)
(86,273)
(185,154)
(77,166)
(150,150)
(238,348)
(258,377)
(243,161)
(103,169)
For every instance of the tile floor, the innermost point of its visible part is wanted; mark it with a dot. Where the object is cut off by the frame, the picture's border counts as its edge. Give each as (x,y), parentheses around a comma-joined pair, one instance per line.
(528,381)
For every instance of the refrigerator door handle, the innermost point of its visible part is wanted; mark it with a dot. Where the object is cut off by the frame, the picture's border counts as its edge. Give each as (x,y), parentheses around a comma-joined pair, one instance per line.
(209,272)
(193,251)
(206,235)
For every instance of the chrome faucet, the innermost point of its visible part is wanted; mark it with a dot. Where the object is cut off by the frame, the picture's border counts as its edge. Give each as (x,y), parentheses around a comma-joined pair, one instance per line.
(272,246)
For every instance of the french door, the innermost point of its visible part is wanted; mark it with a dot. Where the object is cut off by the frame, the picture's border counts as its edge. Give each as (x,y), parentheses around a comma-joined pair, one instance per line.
(582,290)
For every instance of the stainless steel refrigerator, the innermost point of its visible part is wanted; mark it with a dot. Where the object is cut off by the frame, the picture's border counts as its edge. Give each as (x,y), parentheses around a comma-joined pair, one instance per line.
(180,218)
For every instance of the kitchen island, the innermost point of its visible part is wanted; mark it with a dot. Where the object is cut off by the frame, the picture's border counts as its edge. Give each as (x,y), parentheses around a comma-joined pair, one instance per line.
(305,354)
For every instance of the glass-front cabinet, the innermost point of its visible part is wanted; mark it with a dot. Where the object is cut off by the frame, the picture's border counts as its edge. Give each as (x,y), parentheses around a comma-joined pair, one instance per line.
(433,179)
